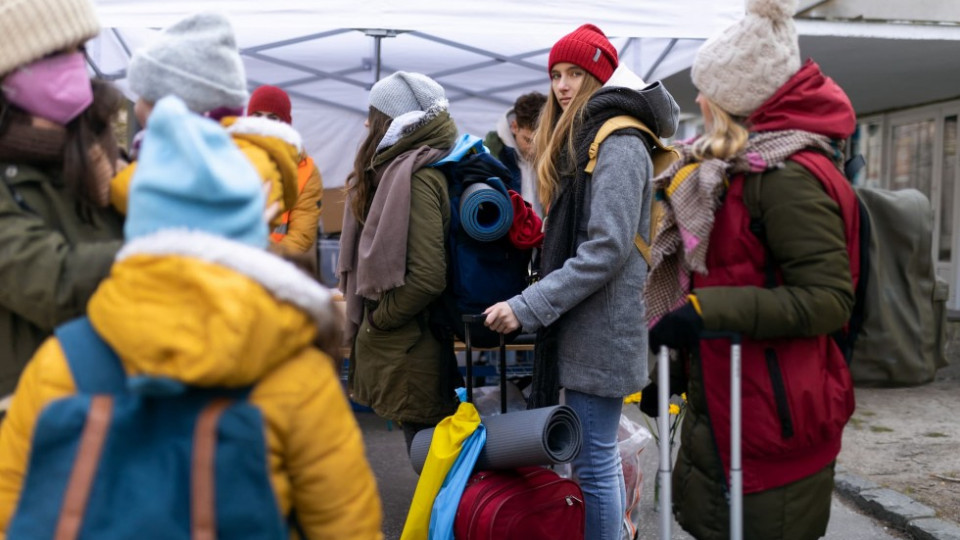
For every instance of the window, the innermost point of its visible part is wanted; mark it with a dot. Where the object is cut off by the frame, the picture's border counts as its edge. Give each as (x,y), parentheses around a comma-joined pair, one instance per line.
(912,146)
(949,180)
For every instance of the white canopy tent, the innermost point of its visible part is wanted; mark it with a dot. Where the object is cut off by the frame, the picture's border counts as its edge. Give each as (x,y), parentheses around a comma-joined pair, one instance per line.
(327,54)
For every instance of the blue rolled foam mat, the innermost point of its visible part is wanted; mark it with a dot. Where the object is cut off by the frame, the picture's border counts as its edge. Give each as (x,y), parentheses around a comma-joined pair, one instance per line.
(486,214)
(545,436)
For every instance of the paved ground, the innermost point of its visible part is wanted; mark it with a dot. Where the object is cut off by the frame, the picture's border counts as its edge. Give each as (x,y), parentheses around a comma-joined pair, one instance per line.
(898,474)
(900,448)
(397,481)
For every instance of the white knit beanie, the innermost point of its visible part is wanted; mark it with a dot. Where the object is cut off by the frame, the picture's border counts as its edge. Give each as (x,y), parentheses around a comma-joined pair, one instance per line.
(196,60)
(405,92)
(748,62)
(32,29)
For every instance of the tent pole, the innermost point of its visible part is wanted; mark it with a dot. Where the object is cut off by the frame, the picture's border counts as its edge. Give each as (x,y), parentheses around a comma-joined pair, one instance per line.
(378,34)
(663,55)
(376,54)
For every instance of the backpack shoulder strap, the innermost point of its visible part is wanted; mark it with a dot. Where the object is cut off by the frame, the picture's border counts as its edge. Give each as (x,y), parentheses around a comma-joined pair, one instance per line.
(95,367)
(661,155)
(656,214)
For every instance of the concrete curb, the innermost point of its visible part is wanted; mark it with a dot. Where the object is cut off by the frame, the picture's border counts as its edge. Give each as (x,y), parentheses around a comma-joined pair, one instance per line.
(901,512)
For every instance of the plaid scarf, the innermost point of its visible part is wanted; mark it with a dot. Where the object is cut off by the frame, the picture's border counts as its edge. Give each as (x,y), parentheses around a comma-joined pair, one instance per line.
(691,191)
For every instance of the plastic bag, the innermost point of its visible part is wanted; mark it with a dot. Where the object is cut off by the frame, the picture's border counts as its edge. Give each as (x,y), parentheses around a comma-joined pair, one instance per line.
(487,399)
(632,438)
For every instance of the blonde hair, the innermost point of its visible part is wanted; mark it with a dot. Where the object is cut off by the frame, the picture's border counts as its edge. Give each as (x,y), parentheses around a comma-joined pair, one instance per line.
(557,127)
(725,136)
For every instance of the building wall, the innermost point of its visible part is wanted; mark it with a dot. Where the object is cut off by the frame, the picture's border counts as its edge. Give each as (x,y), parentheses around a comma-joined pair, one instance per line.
(883,10)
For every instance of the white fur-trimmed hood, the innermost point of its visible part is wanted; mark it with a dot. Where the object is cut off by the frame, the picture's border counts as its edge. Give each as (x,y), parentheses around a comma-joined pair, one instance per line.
(406,124)
(256,125)
(282,279)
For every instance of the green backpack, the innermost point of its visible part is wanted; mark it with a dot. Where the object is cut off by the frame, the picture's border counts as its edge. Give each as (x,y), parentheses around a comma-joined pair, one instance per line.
(901,341)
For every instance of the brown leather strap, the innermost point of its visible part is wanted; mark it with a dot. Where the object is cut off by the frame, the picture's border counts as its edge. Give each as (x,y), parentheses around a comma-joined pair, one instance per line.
(84,467)
(202,500)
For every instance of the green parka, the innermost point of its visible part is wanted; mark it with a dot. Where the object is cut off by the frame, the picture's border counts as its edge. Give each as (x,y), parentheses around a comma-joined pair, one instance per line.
(805,235)
(51,261)
(397,363)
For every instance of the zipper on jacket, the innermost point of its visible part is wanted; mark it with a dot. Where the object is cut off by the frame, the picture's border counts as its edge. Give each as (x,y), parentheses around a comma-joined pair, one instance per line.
(779,393)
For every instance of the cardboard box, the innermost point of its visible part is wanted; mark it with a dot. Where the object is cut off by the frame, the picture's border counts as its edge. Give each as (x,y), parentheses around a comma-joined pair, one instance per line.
(331,210)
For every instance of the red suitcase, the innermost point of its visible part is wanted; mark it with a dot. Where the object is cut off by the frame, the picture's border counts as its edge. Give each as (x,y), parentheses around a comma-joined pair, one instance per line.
(532,503)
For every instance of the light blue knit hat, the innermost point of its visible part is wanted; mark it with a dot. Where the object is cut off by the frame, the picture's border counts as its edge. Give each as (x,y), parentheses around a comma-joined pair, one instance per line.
(191,175)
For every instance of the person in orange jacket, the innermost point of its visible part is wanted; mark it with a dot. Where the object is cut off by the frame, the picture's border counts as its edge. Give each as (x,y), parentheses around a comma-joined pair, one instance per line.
(195,298)
(297,231)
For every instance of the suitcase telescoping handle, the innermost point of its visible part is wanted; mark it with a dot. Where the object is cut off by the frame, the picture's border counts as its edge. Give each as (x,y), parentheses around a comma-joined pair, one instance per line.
(663,426)
(478,319)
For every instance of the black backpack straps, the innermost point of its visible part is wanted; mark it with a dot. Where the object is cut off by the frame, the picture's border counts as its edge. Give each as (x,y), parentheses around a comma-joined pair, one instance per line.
(853,166)
(96,368)
(847,339)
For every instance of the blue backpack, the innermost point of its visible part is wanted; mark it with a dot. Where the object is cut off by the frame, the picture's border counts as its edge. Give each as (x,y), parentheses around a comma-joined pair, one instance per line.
(111,462)
(484,266)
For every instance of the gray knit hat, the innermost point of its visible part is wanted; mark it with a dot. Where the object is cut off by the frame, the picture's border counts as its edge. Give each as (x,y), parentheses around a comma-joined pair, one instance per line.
(405,92)
(748,62)
(32,29)
(196,60)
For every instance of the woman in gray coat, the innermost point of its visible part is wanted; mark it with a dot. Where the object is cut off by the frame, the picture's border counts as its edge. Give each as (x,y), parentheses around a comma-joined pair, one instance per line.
(586,308)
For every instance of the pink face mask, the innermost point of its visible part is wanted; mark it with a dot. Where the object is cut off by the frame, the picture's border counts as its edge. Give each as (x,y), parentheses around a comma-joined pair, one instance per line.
(55,88)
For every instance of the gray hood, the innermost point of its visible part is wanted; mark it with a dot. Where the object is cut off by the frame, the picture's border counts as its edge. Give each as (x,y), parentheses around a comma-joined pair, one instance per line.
(650,103)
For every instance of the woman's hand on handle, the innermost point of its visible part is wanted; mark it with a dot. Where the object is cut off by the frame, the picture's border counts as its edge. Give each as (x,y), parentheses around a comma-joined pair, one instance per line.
(500,318)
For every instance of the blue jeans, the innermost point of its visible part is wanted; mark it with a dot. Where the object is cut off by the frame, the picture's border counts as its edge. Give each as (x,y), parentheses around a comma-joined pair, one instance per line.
(597,468)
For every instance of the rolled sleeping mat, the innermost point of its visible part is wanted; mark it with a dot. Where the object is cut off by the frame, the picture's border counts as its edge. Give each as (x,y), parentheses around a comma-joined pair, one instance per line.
(486,213)
(545,436)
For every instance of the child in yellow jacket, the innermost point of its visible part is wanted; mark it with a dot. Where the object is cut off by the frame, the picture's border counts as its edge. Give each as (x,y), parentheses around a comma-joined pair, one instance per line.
(194,298)
(197,60)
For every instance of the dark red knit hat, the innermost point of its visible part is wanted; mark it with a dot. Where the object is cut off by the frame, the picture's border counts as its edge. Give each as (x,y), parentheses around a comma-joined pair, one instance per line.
(588,48)
(272,100)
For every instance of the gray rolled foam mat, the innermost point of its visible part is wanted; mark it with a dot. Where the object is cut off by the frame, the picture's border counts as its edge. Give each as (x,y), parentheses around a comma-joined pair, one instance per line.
(545,436)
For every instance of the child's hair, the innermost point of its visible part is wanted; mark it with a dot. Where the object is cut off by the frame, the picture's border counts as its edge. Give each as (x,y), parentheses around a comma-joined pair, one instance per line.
(725,138)
(527,109)
(361,180)
(557,127)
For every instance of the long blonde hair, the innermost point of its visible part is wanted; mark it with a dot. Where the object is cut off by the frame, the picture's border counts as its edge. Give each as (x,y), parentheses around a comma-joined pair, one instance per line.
(725,136)
(557,127)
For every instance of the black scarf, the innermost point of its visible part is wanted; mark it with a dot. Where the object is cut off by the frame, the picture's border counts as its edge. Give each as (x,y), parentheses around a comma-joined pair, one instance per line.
(563,222)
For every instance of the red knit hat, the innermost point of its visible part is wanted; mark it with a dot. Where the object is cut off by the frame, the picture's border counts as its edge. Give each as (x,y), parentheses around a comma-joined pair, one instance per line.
(272,100)
(588,48)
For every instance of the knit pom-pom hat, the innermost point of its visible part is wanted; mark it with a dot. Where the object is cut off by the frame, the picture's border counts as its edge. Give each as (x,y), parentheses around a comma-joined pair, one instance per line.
(744,65)
(588,48)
